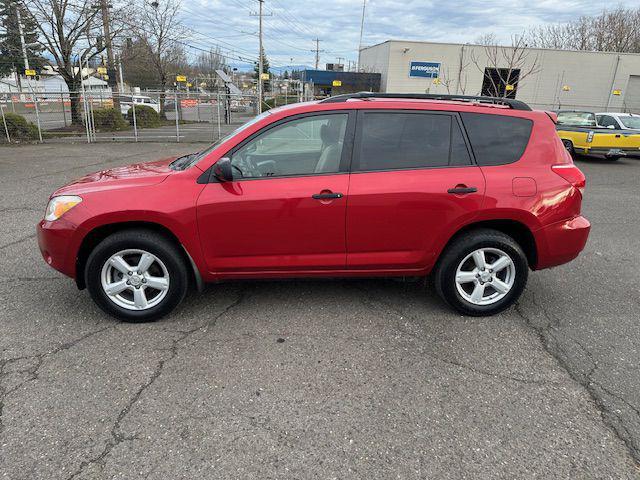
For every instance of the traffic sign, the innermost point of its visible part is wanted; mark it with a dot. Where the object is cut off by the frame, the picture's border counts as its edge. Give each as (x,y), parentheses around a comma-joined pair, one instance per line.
(181,78)
(30,73)
(336,83)
(102,70)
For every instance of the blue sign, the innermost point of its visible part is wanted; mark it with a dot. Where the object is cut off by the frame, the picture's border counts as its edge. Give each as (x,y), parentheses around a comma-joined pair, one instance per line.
(424,69)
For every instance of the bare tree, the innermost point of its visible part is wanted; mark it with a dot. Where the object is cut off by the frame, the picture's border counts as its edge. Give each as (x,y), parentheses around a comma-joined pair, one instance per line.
(159,27)
(612,31)
(71,32)
(505,65)
(460,78)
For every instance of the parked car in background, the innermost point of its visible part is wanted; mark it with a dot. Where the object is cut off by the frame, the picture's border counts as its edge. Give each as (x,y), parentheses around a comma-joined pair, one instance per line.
(580,133)
(619,121)
(127,102)
(474,191)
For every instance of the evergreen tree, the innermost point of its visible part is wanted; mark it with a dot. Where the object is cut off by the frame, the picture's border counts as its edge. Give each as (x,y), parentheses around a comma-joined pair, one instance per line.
(11,57)
(265,69)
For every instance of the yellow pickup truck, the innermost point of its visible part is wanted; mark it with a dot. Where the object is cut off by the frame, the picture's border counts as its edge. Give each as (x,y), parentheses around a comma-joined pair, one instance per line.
(580,133)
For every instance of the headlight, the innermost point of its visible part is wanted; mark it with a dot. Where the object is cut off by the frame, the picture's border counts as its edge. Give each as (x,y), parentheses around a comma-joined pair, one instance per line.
(58,206)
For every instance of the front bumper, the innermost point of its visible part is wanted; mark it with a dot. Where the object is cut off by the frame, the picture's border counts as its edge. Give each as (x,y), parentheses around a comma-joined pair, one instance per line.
(561,242)
(57,242)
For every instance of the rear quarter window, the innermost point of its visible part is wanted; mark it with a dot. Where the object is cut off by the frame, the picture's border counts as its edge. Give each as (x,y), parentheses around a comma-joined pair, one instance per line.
(497,139)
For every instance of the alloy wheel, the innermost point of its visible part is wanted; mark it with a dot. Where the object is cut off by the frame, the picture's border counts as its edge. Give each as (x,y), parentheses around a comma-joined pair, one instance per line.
(135,279)
(485,276)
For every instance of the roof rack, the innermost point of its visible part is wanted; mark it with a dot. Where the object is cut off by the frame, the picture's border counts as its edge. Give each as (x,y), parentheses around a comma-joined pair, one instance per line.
(509,102)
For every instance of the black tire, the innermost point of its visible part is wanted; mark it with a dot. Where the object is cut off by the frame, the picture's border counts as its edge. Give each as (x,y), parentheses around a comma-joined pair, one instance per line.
(613,158)
(445,272)
(149,241)
(568,145)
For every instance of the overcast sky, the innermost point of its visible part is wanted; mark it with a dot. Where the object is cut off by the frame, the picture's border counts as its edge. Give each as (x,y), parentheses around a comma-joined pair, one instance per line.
(293,24)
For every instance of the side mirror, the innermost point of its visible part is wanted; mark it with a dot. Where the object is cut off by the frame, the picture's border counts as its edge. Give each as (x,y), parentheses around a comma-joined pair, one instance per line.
(222,170)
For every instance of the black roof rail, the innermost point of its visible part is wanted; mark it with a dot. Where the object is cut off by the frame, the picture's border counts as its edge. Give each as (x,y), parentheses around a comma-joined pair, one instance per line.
(510,102)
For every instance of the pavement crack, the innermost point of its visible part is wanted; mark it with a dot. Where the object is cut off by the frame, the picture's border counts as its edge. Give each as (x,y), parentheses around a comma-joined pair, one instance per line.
(552,346)
(33,372)
(391,309)
(15,242)
(116,436)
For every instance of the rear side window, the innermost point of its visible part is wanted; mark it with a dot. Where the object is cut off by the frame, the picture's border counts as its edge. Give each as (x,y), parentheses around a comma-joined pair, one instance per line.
(497,139)
(396,140)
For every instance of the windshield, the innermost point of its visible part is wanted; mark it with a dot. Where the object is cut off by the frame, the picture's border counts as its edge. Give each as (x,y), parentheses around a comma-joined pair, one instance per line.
(184,162)
(579,119)
(630,122)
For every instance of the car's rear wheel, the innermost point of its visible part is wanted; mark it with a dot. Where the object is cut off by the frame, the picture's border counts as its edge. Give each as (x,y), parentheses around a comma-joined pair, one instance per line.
(482,272)
(136,275)
(568,145)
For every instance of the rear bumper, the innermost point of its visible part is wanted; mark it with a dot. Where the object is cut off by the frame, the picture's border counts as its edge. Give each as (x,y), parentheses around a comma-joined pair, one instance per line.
(610,152)
(57,241)
(561,242)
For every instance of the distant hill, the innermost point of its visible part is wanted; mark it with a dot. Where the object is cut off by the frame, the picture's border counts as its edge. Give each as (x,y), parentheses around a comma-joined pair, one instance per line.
(280,70)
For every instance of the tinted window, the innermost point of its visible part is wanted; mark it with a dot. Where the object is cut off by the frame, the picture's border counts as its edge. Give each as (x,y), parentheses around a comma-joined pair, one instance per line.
(606,121)
(299,147)
(497,139)
(391,140)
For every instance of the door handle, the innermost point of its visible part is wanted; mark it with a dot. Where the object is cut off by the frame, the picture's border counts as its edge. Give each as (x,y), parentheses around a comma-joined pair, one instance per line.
(462,190)
(326,196)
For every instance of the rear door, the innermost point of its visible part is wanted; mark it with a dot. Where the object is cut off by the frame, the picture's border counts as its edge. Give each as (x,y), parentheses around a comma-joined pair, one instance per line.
(412,182)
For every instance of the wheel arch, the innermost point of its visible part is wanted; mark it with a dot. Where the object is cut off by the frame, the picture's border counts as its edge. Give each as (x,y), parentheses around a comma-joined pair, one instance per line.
(97,234)
(515,229)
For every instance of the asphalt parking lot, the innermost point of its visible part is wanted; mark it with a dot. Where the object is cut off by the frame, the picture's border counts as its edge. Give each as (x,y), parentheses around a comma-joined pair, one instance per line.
(308,379)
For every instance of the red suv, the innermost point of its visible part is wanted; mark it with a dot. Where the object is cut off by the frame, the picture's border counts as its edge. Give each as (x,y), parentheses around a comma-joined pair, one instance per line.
(472,190)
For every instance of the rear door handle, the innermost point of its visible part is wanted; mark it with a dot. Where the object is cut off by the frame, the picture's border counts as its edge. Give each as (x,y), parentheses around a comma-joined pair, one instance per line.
(462,190)
(326,196)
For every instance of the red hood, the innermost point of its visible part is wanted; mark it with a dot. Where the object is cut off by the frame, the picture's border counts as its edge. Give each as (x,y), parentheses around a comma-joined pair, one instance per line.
(138,174)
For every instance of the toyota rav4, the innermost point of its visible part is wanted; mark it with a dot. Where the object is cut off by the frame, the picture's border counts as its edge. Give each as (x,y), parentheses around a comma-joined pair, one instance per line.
(472,191)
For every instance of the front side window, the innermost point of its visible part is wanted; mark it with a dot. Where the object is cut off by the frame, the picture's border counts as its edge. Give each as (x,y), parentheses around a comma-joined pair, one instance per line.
(394,140)
(305,146)
(631,122)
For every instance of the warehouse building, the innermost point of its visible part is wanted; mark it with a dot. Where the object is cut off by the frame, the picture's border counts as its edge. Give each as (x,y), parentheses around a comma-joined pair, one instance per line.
(544,78)
(336,82)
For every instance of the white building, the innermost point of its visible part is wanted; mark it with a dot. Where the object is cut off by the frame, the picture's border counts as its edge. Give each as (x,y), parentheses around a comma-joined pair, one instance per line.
(563,78)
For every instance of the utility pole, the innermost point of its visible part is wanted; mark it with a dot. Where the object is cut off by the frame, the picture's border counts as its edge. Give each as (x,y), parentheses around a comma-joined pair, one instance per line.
(23,45)
(260,58)
(111,64)
(317,51)
(364,5)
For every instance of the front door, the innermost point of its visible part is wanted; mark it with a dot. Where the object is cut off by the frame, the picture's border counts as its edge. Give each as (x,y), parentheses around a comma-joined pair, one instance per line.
(412,181)
(286,208)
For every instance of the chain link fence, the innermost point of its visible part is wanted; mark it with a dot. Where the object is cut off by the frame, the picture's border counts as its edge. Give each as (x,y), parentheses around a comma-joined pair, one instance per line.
(93,116)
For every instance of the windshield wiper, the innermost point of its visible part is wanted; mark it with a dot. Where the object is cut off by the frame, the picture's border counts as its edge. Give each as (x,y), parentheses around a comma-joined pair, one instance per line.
(183,162)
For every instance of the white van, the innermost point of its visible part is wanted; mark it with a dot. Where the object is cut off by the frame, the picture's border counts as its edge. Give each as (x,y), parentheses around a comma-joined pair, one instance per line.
(127,102)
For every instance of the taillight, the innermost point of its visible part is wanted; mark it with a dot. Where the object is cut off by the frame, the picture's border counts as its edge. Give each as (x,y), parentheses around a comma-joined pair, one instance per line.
(571,174)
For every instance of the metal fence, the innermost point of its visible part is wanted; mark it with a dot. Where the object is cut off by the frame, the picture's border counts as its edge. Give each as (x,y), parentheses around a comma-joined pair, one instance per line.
(102,116)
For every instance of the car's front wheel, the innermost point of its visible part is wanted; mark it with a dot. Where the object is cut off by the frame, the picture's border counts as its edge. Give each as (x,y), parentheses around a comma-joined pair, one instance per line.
(136,275)
(482,272)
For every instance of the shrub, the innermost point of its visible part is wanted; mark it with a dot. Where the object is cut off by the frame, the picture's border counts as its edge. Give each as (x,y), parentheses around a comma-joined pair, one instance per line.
(108,119)
(145,116)
(19,128)
(278,101)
